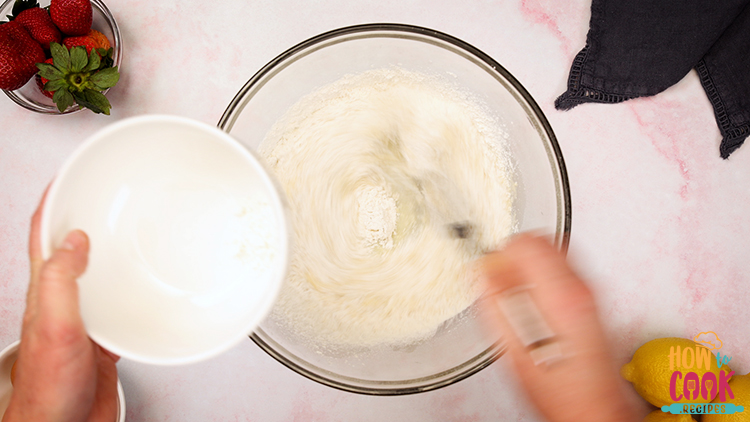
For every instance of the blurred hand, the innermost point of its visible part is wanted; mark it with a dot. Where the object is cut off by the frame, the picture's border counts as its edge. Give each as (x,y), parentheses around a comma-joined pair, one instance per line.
(61,374)
(580,381)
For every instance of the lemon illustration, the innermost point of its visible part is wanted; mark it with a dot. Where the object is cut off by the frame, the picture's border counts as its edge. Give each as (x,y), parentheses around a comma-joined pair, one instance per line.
(740,385)
(650,371)
(659,416)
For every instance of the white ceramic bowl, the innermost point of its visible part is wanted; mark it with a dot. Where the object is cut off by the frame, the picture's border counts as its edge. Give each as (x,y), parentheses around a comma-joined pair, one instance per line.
(8,357)
(188,238)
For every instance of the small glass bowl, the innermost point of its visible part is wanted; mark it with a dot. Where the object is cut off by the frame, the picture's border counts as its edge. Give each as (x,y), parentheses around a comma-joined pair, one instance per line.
(461,346)
(29,96)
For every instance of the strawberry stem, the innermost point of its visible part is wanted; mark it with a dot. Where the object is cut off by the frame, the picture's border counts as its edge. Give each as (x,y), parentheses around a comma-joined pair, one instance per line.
(77,80)
(77,77)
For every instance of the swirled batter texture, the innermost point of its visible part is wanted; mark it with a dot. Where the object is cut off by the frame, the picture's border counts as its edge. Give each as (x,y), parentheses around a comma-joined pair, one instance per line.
(376,167)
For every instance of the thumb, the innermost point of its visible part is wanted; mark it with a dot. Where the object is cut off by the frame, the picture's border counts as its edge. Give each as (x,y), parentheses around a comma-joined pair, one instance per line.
(57,287)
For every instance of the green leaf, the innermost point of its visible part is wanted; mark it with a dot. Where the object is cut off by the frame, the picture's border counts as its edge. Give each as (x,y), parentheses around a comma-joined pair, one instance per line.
(93,100)
(55,85)
(107,57)
(98,99)
(61,57)
(63,99)
(80,99)
(47,71)
(94,62)
(78,58)
(105,78)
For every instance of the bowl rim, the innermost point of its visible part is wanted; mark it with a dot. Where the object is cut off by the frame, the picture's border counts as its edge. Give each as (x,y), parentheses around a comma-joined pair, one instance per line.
(249,157)
(562,235)
(116,56)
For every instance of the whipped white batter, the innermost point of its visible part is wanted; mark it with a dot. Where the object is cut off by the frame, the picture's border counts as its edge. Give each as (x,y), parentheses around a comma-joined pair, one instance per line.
(375,168)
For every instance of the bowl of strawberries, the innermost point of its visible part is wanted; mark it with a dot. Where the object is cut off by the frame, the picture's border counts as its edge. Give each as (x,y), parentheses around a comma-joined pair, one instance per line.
(59,56)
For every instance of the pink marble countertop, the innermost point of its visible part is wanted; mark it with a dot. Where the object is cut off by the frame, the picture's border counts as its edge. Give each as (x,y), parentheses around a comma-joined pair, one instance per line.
(660,223)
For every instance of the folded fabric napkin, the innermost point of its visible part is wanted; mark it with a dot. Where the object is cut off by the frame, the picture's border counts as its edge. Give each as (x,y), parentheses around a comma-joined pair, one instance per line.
(638,48)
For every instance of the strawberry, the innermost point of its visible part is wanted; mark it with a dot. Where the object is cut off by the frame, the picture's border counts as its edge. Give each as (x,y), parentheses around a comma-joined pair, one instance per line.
(94,39)
(76,77)
(73,17)
(19,54)
(100,39)
(40,81)
(83,41)
(39,24)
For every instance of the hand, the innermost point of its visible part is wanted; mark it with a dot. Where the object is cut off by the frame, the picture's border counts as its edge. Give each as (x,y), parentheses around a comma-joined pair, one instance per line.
(61,374)
(579,381)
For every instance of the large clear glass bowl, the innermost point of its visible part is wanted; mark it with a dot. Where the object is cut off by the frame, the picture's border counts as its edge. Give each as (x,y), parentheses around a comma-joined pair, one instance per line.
(29,96)
(461,347)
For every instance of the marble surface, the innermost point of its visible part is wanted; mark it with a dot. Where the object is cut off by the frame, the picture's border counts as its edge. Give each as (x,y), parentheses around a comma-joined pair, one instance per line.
(660,222)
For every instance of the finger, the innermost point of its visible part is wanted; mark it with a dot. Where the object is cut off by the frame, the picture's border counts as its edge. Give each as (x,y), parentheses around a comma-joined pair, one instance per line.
(565,300)
(516,316)
(57,287)
(105,407)
(533,290)
(499,275)
(538,262)
(554,317)
(35,253)
(557,291)
(35,241)
(581,365)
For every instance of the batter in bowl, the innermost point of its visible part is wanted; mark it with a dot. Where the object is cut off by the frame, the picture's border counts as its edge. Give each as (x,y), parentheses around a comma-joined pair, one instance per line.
(376,166)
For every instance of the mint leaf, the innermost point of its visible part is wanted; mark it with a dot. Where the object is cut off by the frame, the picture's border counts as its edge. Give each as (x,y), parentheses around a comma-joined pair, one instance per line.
(47,71)
(63,99)
(55,85)
(78,58)
(61,57)
(94,62)
(105,78)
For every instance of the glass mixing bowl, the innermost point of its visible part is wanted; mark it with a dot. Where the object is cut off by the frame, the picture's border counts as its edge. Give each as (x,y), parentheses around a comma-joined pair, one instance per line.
(29,96)
(461,347)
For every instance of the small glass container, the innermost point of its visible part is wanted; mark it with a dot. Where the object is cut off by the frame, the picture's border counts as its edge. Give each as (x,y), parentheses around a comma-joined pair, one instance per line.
(29,96)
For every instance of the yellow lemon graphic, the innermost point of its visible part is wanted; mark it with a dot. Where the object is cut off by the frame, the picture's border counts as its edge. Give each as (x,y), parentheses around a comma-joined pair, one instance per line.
(740,385)
(650,371)
(659,416)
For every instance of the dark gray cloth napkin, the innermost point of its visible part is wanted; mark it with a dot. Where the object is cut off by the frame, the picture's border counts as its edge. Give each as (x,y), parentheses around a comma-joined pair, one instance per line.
(638,48)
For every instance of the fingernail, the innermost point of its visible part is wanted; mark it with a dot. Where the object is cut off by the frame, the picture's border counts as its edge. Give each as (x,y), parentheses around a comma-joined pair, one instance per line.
(73,241)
